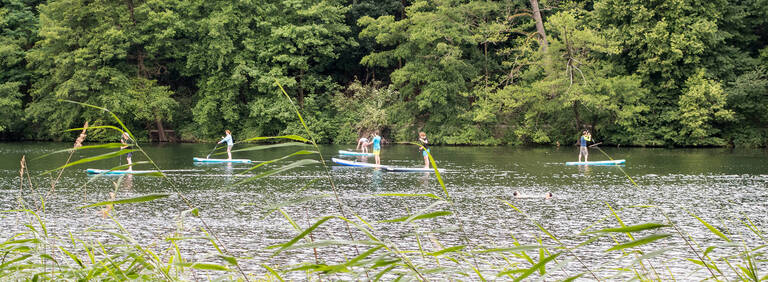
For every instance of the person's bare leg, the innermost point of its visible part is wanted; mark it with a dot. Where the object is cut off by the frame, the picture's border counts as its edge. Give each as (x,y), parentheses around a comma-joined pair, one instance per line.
(426,161)
(130,167)
(229,152)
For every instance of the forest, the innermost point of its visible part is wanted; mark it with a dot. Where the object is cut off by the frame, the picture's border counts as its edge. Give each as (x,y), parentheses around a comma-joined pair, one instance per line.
(672,73)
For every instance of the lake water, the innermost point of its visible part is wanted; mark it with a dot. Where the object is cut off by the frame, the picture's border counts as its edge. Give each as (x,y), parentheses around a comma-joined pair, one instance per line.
(720,186)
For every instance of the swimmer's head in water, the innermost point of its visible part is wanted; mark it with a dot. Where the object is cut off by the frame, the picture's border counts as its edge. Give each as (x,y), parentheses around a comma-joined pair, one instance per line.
(548,195)
(516,194)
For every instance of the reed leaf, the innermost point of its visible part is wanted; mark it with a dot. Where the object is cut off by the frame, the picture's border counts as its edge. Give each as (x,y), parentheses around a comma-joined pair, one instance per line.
(96,127)
(302,152)
(429,195)
(711,228)
(273,272)
(533,269)
(411,218)
(267,147)
(204,266)
(512,249)
(632,228)
(92,159)
(290,166)
(145,198)
(291,137)
(639,242)
(303,234)
(447,250)
(69,150)
(72,256)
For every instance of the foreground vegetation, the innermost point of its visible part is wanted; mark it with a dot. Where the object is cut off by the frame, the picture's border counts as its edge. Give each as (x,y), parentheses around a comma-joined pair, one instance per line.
(658,73)
(364,254)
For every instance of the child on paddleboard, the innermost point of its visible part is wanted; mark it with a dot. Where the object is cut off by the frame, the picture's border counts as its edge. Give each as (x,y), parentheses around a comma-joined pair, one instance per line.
(377,147)
(229,141)
(583,150)
(362,145)
(124,139)
(423,148)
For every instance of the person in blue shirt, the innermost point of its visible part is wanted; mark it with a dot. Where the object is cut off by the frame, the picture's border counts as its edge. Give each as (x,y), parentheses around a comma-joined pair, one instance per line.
(583,150)
(229,141)
(377,147)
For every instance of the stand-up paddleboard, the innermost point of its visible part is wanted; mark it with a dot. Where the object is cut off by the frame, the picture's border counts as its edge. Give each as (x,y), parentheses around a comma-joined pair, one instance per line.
(613,162)
(118,172)
(354,163)
(206,160)
(351,153)
(412,169)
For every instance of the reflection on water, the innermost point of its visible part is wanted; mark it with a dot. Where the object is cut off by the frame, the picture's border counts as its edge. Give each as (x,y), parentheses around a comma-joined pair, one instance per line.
(715,184)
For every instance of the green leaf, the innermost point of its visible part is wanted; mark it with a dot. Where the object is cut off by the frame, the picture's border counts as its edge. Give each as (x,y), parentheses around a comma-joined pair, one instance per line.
(417,217)
(302,152)
(140,199)
(291,137)
(711,228)
(93,159)
(302,235)
(632,228)
(512,249)
(267,147)
(447,250)
(290,166)
(100,146)
(639,242)
(430,195)
(204,266)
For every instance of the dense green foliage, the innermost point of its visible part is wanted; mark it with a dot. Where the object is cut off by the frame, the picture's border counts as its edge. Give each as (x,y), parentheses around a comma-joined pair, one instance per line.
(658,73)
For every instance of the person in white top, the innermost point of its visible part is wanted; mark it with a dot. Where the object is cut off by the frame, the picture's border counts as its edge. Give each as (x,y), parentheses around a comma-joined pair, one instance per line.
(362,145)
(229,141)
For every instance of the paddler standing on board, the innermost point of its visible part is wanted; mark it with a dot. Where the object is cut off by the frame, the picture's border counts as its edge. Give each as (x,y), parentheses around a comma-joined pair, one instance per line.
(229,141)
(377,147)
(423,148)
(583,149)
(124,139)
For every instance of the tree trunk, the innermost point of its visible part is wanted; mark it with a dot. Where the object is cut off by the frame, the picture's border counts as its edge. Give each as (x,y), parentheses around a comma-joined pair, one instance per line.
(539,25)
(160,130)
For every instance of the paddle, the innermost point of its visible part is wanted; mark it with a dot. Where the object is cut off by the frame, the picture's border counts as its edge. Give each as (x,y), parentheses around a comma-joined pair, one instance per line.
(598,143)
(214,149)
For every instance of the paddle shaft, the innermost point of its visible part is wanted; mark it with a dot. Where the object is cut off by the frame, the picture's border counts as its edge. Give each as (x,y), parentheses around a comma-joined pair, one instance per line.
(214,149)
(595,144)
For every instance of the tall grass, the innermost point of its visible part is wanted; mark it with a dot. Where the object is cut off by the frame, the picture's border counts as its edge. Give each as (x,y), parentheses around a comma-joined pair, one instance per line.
(426,253)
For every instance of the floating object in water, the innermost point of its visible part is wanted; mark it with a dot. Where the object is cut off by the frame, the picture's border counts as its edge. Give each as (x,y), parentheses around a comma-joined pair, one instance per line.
(207,160)
(355,164)
(119,172)
(612,162)
(351,153)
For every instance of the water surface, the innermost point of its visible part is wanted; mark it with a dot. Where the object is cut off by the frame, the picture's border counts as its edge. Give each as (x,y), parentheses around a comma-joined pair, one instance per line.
(718,185)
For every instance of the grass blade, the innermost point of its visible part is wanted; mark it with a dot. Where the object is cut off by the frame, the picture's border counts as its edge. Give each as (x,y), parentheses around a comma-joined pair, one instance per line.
(291,137)
(93,159)
(639,242)
(140,199)
(711,228)
(266,147)
(290,166)
(632,228)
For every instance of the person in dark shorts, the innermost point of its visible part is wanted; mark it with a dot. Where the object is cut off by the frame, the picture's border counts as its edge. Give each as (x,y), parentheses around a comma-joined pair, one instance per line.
(583,149)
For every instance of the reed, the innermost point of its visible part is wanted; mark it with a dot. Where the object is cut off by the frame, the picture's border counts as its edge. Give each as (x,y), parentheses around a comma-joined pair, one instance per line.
(427,252)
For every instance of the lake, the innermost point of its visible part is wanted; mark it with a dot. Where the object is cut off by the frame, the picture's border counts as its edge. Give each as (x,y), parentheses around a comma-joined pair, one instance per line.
(720,186)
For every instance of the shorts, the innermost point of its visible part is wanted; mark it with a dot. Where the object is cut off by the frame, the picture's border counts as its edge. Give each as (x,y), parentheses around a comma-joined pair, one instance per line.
(129,154)
(583,151)
(425,152)
(376,152)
